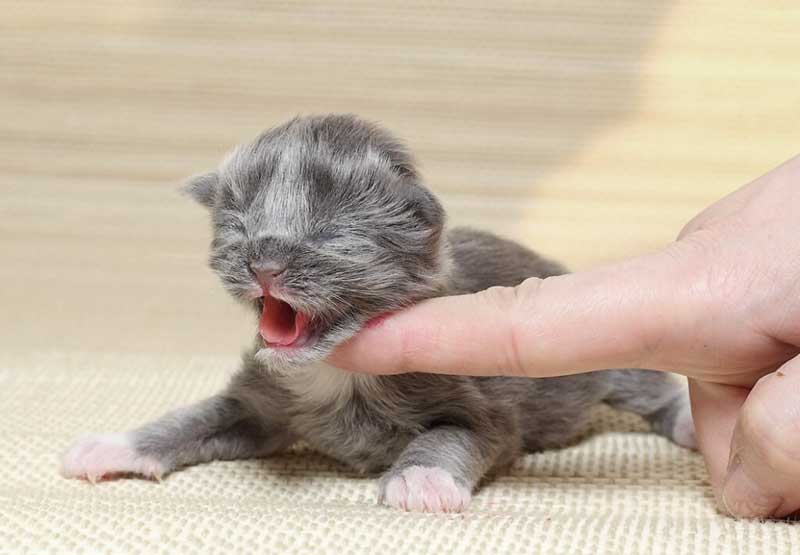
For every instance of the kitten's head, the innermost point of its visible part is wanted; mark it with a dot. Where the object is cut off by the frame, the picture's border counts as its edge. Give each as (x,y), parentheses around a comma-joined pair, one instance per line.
(321,224)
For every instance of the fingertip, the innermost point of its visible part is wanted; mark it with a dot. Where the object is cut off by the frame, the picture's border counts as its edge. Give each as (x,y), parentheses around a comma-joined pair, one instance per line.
(741,497)
(449,335)
(764,463)
(378,321)
(715,409)
(373,350)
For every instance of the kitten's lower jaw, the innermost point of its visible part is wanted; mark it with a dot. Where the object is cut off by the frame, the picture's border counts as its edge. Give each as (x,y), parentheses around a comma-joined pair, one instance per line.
(302,349)
(283,359)
(302,342)
(319,346)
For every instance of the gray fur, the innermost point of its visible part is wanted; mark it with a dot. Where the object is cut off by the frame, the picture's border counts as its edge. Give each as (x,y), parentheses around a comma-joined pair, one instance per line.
(339,203)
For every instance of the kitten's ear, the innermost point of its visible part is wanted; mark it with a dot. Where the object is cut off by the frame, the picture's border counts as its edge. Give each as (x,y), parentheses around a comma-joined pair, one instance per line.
(425,205)
(202,188)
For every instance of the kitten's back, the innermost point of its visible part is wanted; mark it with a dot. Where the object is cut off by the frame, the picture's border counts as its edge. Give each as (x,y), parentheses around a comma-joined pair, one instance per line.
(552,410)
(484,260)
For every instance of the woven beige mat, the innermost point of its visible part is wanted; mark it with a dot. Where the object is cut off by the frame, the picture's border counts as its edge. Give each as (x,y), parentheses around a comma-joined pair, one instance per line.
(619,490)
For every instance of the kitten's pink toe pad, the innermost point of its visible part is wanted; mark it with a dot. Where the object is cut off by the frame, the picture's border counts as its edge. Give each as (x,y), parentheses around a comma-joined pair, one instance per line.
(98,456)
(426,489)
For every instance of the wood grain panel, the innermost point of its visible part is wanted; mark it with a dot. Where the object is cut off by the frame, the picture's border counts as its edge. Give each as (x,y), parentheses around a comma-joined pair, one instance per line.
(590,130)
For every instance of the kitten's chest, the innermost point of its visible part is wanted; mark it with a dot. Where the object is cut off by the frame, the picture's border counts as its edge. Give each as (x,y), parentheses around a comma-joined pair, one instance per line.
(345,416)
(322,386)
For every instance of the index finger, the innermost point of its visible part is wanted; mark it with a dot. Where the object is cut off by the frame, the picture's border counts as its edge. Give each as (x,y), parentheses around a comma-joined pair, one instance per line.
(616,316)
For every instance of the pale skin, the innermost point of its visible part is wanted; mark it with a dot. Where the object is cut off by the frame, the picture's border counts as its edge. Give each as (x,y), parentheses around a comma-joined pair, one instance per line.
(720,305)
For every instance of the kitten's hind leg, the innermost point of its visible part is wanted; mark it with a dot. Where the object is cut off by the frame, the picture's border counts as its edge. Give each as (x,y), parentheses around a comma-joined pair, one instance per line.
(439,469)
(217,428)
(658,397)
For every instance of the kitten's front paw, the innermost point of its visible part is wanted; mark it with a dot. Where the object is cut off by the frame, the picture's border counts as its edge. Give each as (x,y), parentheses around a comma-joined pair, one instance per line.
(102,456)
(426,489)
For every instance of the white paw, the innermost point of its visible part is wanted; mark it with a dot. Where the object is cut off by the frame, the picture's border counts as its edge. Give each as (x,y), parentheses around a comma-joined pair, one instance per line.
(683,430)
(100,456)
(426,489)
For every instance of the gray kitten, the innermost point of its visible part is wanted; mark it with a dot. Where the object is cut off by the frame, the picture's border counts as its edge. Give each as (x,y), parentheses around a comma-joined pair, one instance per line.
(320,225)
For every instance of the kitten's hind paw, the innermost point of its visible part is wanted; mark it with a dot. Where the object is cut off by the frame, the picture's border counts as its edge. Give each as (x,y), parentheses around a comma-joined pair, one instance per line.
(96,457)
(424,489)
(683,432)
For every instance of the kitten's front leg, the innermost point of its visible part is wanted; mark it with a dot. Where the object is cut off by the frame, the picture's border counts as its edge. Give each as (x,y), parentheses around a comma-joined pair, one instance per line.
(440,468)
(220,427)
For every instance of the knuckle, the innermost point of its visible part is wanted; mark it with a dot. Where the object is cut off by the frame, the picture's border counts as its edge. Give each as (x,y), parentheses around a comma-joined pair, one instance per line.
(773,438)
(527,292)
(521,308)
(513,354)
(500,298)
(505,302)
(408,347)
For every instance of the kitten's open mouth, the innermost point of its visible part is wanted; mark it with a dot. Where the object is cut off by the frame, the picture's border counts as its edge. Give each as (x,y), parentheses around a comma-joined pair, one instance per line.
(282,326)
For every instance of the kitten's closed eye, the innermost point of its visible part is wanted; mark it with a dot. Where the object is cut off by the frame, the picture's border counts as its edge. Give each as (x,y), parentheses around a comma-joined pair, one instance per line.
(324,236)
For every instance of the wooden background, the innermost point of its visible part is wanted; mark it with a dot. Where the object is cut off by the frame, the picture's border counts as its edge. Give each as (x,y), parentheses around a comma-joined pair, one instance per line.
(590,130)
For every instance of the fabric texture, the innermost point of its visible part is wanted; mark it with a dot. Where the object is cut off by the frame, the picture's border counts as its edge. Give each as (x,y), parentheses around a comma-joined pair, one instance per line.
(618,490)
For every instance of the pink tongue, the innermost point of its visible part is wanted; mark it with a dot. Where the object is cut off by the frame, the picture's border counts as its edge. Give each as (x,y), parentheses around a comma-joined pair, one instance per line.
(280,324)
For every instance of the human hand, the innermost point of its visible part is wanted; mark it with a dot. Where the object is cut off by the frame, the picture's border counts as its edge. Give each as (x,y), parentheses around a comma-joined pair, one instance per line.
(721,305)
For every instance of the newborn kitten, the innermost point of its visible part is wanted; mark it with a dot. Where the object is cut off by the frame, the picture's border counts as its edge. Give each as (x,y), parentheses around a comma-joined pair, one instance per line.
(320,225)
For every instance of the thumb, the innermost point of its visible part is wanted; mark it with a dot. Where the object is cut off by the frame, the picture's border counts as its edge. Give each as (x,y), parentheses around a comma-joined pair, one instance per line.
(615,316)
(764,464)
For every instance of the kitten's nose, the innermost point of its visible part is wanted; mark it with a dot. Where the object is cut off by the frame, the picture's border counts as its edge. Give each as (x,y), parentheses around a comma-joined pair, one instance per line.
(266,271)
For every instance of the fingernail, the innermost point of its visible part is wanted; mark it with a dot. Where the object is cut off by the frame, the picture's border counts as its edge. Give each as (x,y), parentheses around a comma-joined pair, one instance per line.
(742,498)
